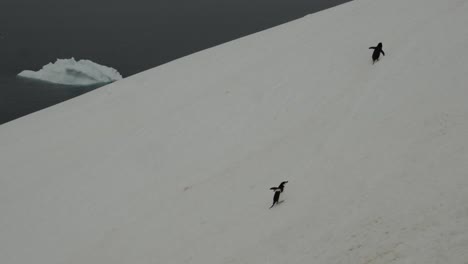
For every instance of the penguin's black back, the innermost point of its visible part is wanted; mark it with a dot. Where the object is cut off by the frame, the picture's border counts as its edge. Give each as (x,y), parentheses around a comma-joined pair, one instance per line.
(377,51)
(276,196)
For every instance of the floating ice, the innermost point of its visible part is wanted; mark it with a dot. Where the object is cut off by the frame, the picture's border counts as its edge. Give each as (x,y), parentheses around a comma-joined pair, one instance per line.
(72,72)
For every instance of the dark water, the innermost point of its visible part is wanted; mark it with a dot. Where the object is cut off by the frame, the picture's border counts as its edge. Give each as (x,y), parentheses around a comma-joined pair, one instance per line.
(128,35)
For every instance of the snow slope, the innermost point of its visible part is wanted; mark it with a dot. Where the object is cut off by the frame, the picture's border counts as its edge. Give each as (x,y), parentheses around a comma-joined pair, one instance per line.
(174,165)
(72,72)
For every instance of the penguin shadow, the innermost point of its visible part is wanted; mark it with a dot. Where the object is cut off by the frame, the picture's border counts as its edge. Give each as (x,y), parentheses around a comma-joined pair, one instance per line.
(278,203)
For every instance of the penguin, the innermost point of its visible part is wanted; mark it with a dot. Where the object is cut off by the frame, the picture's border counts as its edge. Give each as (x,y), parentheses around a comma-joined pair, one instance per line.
(376,53)
(276,196)
(278,190)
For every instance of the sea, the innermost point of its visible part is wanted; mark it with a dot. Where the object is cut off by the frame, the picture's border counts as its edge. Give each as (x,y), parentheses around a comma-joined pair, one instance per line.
(128,35)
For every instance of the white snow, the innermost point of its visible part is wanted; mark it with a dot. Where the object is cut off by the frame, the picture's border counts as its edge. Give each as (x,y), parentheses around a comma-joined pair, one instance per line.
(174,165)
(72,72)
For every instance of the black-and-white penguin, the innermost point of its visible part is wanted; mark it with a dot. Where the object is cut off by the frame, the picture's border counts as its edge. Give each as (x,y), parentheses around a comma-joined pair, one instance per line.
(278,190)
(376,53)
(276,196)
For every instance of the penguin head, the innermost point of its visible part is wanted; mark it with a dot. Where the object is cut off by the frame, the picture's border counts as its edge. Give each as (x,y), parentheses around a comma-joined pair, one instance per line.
(379,45)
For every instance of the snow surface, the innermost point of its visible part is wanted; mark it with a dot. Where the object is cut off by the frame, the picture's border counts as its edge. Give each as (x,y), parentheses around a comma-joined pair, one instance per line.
(174,165)
(72,72)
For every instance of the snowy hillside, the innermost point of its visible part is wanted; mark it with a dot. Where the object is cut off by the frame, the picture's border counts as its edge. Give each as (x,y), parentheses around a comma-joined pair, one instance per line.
(174,165)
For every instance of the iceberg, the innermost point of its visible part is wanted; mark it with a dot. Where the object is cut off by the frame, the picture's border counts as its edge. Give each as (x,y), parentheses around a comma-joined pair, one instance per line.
(72,72)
